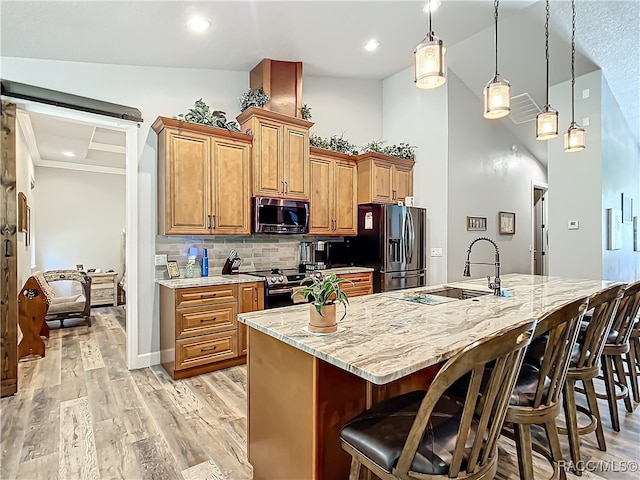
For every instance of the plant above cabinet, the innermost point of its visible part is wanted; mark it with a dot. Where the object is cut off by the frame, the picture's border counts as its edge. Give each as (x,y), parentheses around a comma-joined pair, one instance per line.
(335,143)
(203,115)
(253,98)
(403,150)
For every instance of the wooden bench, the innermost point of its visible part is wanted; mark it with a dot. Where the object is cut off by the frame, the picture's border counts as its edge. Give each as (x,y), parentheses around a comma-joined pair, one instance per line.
(33,303)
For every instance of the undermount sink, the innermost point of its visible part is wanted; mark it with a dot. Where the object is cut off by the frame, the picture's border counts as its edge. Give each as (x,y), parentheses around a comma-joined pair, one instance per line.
(457,293)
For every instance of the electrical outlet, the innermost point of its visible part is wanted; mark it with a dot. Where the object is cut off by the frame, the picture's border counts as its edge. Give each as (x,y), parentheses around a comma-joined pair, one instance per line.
(161,260)
(436,252)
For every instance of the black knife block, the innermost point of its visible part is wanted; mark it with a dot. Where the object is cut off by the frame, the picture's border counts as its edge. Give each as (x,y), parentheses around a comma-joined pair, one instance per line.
(231,267)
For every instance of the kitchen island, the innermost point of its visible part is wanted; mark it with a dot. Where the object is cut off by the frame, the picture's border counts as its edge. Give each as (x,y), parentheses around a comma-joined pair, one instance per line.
(303,387)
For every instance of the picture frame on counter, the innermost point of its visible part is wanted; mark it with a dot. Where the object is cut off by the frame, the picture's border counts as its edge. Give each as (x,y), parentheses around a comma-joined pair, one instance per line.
(476,224)
(507,223)
(172,269)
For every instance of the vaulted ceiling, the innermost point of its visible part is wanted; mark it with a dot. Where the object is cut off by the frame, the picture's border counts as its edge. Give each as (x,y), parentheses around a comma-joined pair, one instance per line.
(328,37)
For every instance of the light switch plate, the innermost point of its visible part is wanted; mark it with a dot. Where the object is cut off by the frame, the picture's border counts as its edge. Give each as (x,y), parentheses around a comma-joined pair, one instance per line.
(573,225)
(436,252)
(161,260)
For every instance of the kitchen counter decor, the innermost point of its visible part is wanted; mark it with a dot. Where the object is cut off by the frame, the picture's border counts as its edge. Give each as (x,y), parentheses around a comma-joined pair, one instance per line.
(324,292)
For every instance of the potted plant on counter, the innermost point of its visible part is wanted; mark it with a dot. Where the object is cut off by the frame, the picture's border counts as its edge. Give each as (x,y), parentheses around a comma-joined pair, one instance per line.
(324,293)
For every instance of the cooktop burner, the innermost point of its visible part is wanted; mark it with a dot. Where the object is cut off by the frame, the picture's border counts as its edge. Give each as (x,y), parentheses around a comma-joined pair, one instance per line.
(277,277)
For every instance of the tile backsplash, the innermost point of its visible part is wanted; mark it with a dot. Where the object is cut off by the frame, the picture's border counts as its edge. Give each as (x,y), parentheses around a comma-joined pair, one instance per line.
(258,252)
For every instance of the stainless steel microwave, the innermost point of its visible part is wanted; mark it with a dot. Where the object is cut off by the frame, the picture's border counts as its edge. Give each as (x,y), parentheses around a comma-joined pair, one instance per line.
(277,215)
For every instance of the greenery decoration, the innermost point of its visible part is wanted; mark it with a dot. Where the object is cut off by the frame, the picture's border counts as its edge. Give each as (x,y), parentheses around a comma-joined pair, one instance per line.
(324,290)
(335,143)
(204,115)
(256,98)
(305,111)
(403,150)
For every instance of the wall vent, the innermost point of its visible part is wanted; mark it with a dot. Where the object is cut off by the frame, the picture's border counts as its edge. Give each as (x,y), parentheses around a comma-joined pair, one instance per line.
(523,109)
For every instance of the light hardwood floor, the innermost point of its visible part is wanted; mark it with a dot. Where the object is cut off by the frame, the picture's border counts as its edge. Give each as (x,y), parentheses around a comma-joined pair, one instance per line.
(80,414)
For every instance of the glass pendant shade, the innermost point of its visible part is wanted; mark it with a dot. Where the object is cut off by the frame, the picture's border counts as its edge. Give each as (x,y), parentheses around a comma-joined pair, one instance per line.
(547,125)
(429,63)
(574,139)
(497,99)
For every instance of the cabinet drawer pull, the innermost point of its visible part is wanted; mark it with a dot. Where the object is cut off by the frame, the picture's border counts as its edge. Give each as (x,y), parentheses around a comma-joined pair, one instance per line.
(209,226)
(209,295)
(204,350)
(213,217)
(202,320)
(286,187)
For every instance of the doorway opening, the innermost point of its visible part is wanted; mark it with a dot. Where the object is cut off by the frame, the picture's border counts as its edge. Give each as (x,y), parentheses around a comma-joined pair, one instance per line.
(103,125)
(540,241)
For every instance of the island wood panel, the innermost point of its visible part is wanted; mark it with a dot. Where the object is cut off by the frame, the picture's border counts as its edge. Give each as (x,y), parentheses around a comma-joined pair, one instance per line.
(231,188)
(320,205)
(297,405)
(281,410)
(295,162)
(188,175)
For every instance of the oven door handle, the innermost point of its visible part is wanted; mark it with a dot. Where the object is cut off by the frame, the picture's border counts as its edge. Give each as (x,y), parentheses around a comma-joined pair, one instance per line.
(279,291)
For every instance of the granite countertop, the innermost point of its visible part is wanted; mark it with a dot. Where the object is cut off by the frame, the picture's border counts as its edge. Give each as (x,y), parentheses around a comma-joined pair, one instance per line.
(207,281)
(386,336)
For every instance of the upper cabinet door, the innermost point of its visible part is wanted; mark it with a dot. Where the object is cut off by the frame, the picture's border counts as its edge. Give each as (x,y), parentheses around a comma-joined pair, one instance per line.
(295,162)
(231,189)
(268,150)
(345,205)
(381,183)
(320,215)
(402,181)
(184,193)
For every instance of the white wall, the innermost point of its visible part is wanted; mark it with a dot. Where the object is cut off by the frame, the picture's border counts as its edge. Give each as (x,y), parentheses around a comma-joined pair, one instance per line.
(345,106)
(81,216)
(24,175)
(487,176)
(575,184)
(168,92)
(620,174)
(419,117)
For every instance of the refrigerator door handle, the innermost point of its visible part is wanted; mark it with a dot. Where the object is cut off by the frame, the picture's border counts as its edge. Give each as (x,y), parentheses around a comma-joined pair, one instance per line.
(408,276)
(412,237)
(405,240)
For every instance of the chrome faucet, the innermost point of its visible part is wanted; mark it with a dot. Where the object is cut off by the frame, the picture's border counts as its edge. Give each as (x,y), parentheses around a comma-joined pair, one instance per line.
(495,285)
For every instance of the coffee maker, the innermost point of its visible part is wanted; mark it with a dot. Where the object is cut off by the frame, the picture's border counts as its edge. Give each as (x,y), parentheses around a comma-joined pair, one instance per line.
(313,256)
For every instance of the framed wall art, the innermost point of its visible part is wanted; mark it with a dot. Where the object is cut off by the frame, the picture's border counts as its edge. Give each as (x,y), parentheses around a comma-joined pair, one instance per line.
(507,223)
(22,212)
(636,239)
(476,223)
(614,224)
(627,208)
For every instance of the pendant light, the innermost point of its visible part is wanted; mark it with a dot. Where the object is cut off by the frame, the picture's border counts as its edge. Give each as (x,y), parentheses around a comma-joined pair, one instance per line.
(429,59)
(497,101)
(547,121)
(574,137)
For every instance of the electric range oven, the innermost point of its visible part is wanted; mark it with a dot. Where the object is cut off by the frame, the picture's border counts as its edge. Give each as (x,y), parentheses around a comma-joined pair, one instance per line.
(279,286)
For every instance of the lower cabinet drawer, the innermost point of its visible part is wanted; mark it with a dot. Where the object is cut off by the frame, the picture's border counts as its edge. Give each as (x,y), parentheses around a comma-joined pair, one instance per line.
(194,321)
(206,349)
(358,291)
(194,296)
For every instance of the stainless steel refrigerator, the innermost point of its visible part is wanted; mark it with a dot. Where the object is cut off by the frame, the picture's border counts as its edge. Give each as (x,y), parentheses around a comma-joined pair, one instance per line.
(392,240)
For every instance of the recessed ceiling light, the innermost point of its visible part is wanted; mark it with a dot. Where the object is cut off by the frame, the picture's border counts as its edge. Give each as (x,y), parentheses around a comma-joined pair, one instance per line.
(69,154)
(371,45)
(198,24)
(434,6)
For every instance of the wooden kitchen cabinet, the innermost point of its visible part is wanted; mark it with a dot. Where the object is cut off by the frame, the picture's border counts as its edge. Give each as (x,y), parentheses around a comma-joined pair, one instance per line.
(280,153)
(359,283)
(250,299)
(333,205)
(203,179)
(199,329)
(383,178)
